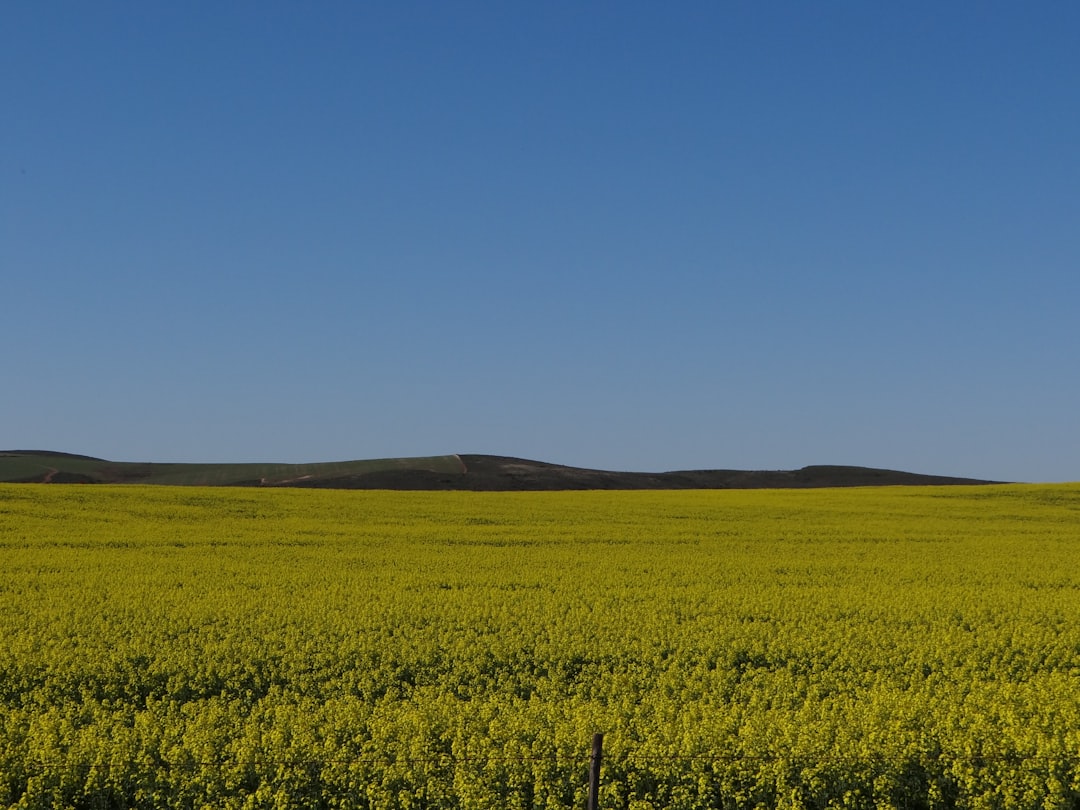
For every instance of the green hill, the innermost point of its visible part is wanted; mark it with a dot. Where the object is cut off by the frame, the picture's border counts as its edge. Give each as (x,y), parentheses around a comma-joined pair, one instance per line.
(464,472)
(36,466)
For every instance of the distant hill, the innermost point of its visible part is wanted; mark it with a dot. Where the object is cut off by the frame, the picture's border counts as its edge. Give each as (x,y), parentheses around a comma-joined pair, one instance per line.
(453,472)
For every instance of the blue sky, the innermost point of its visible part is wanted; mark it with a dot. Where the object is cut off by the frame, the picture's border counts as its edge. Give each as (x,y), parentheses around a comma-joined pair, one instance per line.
(620,235)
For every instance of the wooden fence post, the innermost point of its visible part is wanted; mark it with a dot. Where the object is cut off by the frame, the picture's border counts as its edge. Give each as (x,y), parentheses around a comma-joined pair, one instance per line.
(594,771)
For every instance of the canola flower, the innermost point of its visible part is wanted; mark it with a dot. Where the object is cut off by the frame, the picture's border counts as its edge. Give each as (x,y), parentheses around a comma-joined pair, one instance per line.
(865,648)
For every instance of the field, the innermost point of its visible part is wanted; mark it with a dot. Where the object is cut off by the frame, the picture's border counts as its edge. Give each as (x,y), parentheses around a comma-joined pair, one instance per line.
(894,647)
(477,473)
(45,467)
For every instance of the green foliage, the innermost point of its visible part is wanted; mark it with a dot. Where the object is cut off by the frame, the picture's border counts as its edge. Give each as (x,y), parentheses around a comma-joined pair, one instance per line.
(866,648)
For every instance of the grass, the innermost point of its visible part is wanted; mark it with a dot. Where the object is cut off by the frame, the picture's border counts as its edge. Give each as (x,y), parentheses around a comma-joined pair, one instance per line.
(17,467)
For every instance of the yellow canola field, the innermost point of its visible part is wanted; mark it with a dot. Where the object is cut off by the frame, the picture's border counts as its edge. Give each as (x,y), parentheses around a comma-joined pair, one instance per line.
(238,648)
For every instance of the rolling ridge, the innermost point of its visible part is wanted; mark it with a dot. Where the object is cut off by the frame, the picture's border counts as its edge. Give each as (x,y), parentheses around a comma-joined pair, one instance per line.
(473,472)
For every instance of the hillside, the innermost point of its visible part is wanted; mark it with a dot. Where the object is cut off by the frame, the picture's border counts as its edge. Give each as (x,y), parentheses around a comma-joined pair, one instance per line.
(453,472)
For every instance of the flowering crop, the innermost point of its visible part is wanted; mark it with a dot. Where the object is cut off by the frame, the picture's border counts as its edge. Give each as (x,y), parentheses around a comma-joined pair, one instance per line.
(865,648)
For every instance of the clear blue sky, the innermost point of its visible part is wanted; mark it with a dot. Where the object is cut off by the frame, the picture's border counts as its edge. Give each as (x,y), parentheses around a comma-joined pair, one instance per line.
(623,235)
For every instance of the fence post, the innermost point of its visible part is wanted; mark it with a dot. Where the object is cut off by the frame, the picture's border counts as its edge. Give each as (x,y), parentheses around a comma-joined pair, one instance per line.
(594,771)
